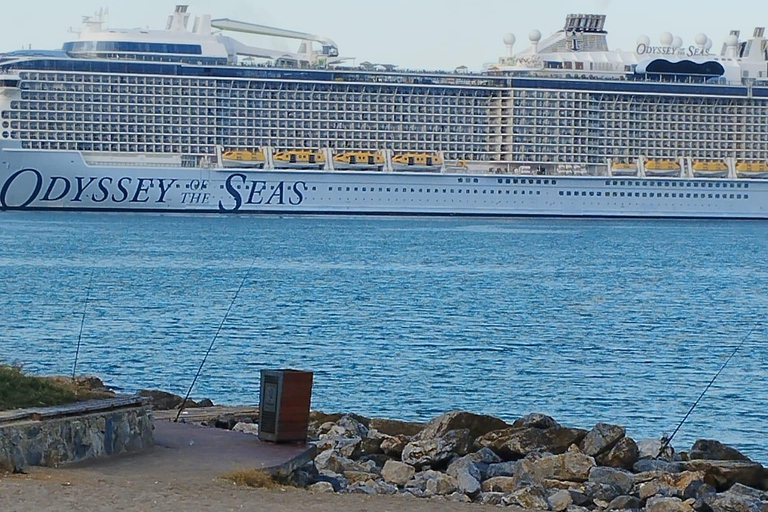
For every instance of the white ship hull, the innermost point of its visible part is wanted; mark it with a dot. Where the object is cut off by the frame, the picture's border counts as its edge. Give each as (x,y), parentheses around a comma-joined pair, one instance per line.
(62,180)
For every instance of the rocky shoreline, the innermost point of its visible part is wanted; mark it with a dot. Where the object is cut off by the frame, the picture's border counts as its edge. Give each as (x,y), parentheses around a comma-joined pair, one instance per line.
(533,463)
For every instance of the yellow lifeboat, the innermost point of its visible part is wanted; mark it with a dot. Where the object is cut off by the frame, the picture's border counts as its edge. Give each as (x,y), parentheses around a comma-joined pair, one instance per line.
(429,162)
(299,159)
(624,169)
(713,169)
(359,161)
(753,170)
(240,158)
(663,168)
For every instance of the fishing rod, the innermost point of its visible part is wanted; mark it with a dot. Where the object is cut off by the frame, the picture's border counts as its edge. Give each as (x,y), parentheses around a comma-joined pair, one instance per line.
(666,444)
(213,342)
(82,324)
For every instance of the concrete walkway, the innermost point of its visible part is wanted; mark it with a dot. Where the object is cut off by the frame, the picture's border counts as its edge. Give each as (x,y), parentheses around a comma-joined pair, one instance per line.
(182,450)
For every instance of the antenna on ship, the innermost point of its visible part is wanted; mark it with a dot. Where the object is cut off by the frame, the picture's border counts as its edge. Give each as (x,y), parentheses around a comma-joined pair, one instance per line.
(213,342)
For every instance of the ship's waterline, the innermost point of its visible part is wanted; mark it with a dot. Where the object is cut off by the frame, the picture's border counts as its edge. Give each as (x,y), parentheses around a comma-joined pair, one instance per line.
(297,191)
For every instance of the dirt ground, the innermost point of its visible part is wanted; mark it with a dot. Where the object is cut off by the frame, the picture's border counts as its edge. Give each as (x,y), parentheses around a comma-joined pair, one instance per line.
(86,489)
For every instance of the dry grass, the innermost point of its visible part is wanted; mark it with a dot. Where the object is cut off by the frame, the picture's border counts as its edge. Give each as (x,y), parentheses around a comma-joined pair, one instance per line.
(253,478)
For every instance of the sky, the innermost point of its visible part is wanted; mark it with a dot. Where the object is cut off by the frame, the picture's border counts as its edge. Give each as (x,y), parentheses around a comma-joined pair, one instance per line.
(417,34)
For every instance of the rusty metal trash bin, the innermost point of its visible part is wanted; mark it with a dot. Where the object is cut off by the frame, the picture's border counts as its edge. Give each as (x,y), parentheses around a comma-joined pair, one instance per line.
(286,397)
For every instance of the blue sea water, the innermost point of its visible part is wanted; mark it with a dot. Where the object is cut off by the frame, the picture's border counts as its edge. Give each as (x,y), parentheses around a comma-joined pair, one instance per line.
(624,321)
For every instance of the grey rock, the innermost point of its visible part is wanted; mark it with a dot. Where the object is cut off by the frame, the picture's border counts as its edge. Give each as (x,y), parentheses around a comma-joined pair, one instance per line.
(361,488)
(625,503)
(397,473)
(434,451)
(611,476)
(732,502)
(440,484)
(464,464)
(477,424)
(744,490)
(467,483)
(651,449)
(383,488)
(536,420)
(491,498)
(624,455)
(352,426)
(579,498)
(560,500)
(602,492)
(246,428)
(329,460)
(715,450)
(485,456)
(601,439)
(322,487)
(512,444)
(647,465)
(571,466)
(501,469)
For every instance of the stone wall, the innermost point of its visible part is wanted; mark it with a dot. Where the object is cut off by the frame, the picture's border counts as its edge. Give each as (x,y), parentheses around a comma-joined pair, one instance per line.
(58,440)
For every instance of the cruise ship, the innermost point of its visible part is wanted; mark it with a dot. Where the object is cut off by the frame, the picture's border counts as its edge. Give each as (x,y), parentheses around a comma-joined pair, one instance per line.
(191,119)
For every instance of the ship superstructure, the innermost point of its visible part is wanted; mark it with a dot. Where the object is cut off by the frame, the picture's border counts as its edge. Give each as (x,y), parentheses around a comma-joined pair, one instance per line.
(217,118)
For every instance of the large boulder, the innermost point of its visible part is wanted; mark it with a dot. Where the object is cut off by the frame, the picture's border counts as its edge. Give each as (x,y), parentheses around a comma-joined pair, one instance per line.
(397,473)
(396,427)
(601,439)
(724,474)
(435,451)
(624,455)
(670,484)
(477,424)
(715,450)
(572,467)
(610,476)
(512,444)
(733,502)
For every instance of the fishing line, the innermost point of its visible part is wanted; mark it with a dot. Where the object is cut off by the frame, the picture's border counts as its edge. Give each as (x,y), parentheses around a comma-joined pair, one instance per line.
(82,324)
(215,337)
(666,444)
